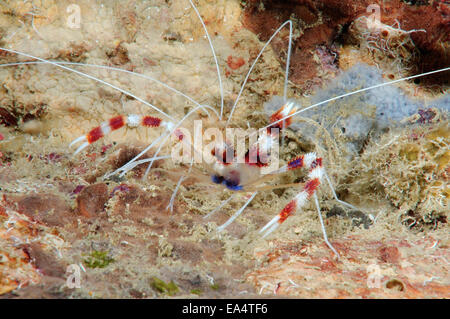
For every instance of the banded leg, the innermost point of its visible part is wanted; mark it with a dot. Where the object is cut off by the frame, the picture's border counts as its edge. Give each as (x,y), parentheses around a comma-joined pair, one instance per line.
(315,176)
(115,123)
(310,160)
(298,163)
(162,139)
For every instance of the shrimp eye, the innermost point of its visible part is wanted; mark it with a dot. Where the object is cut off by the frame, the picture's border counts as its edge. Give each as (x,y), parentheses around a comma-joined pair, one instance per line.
(217,179)
(232,185)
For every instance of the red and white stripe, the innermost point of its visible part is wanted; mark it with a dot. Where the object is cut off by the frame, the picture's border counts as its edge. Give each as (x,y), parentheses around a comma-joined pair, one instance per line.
(287,109)
(116,123)
(259,153)
(316,173)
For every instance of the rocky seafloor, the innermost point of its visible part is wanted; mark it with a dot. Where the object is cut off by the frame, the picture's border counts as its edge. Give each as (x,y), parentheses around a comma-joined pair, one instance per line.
(385,150)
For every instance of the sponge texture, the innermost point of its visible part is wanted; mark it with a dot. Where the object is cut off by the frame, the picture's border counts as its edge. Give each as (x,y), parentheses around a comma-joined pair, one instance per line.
(354,117)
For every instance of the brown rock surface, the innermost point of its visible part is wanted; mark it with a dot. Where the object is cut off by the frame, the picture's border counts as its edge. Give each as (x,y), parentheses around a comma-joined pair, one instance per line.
(49,209)
(92,199)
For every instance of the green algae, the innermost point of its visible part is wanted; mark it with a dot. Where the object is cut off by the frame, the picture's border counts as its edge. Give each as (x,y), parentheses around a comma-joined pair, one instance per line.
(162,287)
(98,259)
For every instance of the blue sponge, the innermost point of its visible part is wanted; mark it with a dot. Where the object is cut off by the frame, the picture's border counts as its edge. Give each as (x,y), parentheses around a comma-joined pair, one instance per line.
(362,113)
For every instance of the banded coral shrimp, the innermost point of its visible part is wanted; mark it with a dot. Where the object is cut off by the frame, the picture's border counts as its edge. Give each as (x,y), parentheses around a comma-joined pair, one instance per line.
(222,174)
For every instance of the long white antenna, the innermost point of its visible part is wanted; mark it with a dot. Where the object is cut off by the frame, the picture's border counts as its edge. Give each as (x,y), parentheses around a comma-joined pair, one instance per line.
(92,78)
(254,63)
(215,58)
(113,69)
(355,92)
(288,62)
